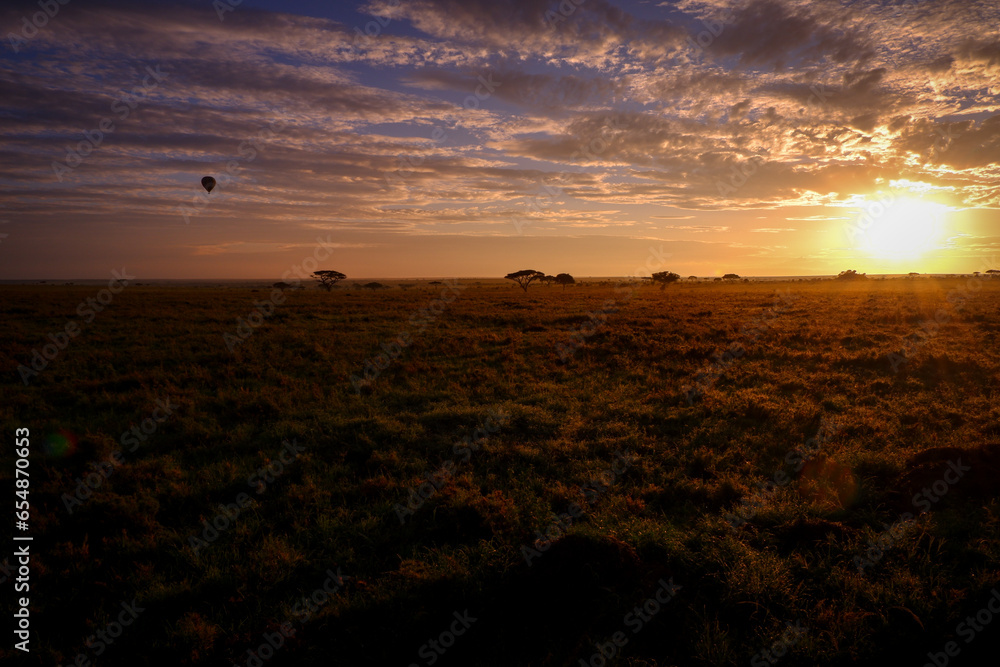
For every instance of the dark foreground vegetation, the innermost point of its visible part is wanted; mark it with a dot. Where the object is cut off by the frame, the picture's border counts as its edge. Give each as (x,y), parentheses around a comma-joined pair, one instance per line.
(705,475)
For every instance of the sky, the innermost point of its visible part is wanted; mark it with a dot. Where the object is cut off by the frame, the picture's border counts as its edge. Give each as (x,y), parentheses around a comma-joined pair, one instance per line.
(431,138)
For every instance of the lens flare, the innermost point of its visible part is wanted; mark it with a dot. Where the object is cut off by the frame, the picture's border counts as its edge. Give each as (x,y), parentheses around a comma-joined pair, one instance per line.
(60,444)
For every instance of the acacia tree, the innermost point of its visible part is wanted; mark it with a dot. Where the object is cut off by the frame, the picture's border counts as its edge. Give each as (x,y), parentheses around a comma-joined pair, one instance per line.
(525,277)
(327,278)
(546,280)
(664,278)
(564,279)
(730,276)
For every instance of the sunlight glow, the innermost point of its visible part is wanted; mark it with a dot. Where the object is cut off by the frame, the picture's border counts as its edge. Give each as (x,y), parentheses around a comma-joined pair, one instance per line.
(905,229)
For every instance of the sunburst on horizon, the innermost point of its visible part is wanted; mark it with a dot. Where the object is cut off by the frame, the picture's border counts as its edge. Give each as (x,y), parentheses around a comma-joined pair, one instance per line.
(906,229)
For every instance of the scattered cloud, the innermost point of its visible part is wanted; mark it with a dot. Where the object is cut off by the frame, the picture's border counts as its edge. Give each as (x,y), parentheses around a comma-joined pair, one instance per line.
(471,113)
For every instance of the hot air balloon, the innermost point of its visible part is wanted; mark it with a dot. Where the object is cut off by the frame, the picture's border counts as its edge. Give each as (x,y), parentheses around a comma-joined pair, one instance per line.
(208,183)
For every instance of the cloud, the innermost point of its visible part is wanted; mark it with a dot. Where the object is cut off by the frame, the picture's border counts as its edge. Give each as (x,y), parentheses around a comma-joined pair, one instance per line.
(583,33)
(698,228)
(793,104)
(777,34)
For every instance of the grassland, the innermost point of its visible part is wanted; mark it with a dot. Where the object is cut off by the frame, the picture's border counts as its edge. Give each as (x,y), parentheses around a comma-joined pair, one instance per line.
(644,437)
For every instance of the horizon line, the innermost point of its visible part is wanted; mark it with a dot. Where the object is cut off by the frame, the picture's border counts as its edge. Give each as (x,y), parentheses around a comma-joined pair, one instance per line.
(445,277)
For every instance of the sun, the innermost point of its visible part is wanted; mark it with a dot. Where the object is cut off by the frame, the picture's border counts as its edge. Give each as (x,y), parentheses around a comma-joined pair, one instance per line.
(906,228)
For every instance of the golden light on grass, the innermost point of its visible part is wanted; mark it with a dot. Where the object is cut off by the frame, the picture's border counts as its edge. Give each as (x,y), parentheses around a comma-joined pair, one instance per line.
(909,228)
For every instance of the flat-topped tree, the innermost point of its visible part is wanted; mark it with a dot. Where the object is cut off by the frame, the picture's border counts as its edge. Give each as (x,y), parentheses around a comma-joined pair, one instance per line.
(664,278)
(565,279)
(731,276)
(525,277)
(327,278)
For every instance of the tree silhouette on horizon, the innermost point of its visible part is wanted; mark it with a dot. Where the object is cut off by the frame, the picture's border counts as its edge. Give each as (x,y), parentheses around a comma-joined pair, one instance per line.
(525,277)
(328,278)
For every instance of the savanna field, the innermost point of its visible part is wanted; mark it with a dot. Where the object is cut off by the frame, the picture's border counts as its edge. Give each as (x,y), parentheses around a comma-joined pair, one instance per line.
(794,473)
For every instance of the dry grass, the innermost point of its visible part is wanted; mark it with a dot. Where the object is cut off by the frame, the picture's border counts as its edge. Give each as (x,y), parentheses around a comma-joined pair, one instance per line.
(822,358)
